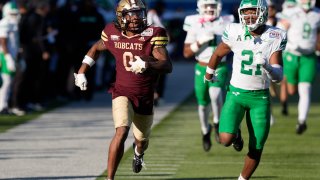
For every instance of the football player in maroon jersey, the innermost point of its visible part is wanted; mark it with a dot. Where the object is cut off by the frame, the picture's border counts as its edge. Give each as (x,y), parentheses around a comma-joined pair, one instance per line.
(140,53)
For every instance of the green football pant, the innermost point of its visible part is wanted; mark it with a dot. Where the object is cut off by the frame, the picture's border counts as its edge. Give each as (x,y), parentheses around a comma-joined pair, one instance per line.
(256,105)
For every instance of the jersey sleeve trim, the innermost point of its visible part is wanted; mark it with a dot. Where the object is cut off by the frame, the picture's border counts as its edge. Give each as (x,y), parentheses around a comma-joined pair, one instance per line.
(104,37)
(225,35)
(283,44)
(159,41)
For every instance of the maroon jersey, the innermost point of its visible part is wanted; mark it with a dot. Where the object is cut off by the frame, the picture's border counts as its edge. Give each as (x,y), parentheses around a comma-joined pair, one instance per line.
(137,87)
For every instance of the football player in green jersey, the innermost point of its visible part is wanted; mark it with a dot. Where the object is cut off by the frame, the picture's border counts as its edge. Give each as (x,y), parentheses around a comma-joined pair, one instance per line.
(204,31)
(257,60)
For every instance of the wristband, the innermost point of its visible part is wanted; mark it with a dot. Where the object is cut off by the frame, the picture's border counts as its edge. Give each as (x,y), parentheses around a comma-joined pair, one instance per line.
(88,60)
(194,47)
(209,70)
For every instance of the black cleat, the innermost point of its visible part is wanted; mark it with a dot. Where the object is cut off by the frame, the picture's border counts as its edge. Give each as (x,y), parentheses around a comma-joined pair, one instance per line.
(206,140)
(137,162)
(216,132)
(301,128)
(238,141)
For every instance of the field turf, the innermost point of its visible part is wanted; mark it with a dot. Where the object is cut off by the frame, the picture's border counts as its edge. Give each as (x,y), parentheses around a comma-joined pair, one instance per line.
(175,151)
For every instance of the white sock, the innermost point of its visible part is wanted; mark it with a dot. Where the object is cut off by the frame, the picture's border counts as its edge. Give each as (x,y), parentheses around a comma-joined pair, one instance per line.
(203,116)
(304,90)
(241,178)
(136,151)
(216,102)
(272,120)
(5,90)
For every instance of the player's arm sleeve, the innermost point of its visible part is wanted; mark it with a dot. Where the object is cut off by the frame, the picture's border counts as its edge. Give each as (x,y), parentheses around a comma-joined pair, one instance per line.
(3,30)
(226,36)
(3,35)
(104,36)
(187,24)
(274,70)
(191,37)
(280,45)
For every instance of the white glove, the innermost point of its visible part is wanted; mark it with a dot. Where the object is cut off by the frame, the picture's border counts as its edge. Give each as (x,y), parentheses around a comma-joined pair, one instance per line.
(10,63)
(205,38)
(137,66)
(80,81)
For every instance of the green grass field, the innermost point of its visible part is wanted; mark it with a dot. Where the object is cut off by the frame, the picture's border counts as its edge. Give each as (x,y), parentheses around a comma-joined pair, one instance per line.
(175,151)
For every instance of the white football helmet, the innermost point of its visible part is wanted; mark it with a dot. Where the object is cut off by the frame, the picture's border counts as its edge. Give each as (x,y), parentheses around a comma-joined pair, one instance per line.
(209,8)
(9,9)
(261,13)
(306,4)
(10,12)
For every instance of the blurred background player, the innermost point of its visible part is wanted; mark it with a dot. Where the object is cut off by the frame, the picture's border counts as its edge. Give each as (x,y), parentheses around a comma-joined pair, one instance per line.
(257,60)
(288,4)
(141,55)
(288,8)
(8,51)
(204,31)
(300,61)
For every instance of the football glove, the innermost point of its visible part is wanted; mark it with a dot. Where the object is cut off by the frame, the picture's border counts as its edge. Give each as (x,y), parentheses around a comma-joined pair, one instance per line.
(137,66)
(80,81)
(10,63)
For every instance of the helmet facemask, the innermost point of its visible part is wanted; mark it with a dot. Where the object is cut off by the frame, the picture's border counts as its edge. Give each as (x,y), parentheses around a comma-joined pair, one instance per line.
(134,20)
(253,14)
(132,15)
(209,9)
